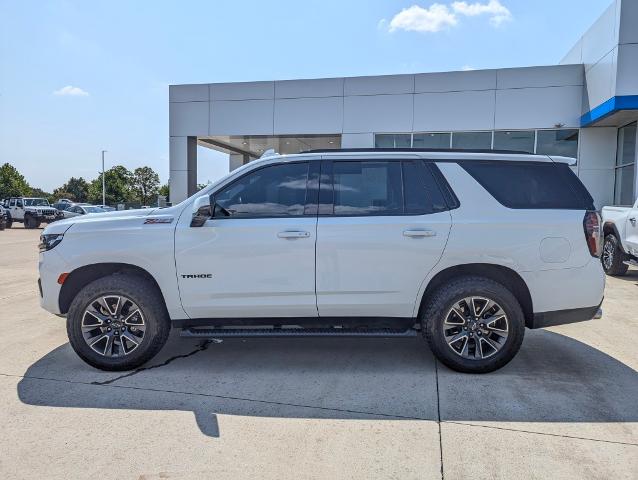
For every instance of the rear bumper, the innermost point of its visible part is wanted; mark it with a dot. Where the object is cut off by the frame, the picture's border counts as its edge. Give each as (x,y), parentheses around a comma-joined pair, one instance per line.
(562,317)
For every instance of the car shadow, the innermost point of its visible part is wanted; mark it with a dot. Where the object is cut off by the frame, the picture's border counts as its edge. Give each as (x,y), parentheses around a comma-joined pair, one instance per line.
(554,378)
(630,276)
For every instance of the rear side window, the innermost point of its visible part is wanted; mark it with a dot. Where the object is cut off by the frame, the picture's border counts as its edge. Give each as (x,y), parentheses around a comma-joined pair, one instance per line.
(367,188)
(421,193)
(527,185)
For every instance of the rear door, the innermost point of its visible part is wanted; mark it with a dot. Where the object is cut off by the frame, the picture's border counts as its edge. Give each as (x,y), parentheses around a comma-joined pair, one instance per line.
(382,227)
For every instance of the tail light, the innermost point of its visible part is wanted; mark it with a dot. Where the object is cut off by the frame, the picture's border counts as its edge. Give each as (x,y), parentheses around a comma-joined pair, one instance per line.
(591,226)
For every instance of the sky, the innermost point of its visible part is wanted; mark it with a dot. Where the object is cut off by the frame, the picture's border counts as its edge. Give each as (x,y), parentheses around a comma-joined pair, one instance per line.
(78,77)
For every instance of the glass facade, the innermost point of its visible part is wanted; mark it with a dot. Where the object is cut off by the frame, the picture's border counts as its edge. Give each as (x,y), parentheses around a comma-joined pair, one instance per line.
(431,140)
(625,183)
(560,141)
(469,140)
(519,140)
(392,140)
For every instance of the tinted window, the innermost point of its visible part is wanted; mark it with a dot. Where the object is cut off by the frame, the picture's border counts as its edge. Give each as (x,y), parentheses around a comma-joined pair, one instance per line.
(276,191)
(367,188)
(468,140)
(519,140)
(557,142)
(431,140)
(422,195)
(531,185)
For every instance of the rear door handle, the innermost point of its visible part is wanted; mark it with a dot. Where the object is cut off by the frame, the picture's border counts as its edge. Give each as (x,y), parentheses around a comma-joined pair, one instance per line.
(633,221)
(419,233)
(293,234)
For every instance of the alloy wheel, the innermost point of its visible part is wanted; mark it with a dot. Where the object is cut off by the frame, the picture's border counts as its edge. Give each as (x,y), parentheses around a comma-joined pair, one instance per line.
(476,328)
(608,254)
(113,325)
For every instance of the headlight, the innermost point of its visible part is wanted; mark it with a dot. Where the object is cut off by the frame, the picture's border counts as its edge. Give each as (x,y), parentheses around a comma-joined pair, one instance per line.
(49,241)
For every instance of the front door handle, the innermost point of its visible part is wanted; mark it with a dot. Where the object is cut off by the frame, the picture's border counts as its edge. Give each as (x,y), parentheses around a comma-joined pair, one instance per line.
(293,234)
(419,233)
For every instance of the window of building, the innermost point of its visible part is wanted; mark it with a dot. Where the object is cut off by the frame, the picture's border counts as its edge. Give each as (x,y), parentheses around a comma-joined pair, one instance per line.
(625,185)
(472,140)
(392,140)
(562,142)
(367,188)
(531,186)
(519,140)
(431,140)
(275,191)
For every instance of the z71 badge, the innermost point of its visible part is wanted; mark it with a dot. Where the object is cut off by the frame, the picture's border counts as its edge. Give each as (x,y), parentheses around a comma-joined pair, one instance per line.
(152,221)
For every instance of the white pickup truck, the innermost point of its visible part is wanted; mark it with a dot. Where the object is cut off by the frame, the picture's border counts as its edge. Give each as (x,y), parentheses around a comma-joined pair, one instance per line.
(620,249)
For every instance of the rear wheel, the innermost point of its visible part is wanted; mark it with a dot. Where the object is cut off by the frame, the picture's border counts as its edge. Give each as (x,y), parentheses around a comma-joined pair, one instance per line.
(118,322)
(613,257)
(473,325)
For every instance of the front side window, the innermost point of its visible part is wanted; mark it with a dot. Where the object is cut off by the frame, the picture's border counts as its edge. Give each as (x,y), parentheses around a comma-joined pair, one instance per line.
(274,191)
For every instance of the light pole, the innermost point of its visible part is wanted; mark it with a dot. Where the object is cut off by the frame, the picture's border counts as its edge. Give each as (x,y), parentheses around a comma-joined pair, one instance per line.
(103,180)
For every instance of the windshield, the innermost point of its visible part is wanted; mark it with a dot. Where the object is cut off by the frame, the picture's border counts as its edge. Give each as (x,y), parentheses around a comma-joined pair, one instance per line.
(36,202)
(93,210)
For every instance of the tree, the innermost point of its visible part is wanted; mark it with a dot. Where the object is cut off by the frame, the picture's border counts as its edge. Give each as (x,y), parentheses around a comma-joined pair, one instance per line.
(38,192)
(76,189)
(118,181)
(164,190)
(12,183)
(145,184)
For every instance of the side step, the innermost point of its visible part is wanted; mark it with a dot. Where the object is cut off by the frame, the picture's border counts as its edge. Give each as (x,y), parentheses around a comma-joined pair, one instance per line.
(631,263)
(294,332)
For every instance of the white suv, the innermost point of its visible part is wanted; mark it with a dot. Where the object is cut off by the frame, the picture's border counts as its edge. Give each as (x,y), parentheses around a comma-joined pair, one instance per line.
(468,248)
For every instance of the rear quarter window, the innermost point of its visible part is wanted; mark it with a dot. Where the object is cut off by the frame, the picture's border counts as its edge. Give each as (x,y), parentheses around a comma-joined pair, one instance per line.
(531,185)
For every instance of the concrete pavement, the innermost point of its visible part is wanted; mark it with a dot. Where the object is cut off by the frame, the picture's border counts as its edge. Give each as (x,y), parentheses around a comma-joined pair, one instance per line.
(314,408)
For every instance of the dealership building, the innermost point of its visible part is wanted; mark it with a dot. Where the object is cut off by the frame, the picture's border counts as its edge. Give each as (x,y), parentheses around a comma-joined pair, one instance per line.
(586,107)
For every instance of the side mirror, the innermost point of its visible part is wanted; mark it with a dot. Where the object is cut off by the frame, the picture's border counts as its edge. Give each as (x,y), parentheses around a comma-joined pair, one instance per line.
(202,211)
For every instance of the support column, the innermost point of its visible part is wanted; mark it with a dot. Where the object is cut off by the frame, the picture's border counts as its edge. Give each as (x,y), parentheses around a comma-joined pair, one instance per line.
(183,168)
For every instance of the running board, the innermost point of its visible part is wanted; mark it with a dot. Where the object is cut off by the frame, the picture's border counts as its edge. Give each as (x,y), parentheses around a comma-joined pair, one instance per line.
(631,263)
(294,332)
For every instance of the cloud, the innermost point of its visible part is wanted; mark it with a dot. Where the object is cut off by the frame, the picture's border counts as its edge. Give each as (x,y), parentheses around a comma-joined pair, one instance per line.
(496,10)
(71,91)
(419,19)
(438,17)
(467,68)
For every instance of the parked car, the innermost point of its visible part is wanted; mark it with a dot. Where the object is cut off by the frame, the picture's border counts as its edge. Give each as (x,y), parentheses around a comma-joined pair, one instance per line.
(31,212)
(465,248)
(77,209)
(3,216)
(620,247)
(106,208)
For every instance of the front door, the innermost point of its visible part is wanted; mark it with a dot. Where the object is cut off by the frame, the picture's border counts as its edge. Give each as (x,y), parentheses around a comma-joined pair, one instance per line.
(256,256)
(382,230)
(631,230)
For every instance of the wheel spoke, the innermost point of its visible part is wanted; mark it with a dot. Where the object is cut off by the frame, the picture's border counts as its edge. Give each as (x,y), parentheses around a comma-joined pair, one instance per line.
(455,317)
(129,318)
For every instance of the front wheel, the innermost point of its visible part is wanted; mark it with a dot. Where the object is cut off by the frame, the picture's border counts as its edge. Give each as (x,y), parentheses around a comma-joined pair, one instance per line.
(613,257)
(29,222)
(473,325)
(118,322)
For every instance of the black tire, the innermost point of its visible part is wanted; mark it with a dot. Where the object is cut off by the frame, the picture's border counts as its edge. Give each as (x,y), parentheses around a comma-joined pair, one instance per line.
(29,222)
(9,223)
(441,302)
(37,224)
(150,302)
(3,223)
(612,257)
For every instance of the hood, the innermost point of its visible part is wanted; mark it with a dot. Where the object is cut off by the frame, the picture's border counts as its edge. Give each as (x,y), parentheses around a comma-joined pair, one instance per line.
(103,220)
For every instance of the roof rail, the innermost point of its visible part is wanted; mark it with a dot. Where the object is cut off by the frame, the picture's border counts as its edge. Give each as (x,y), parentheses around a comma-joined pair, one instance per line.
(398,150)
